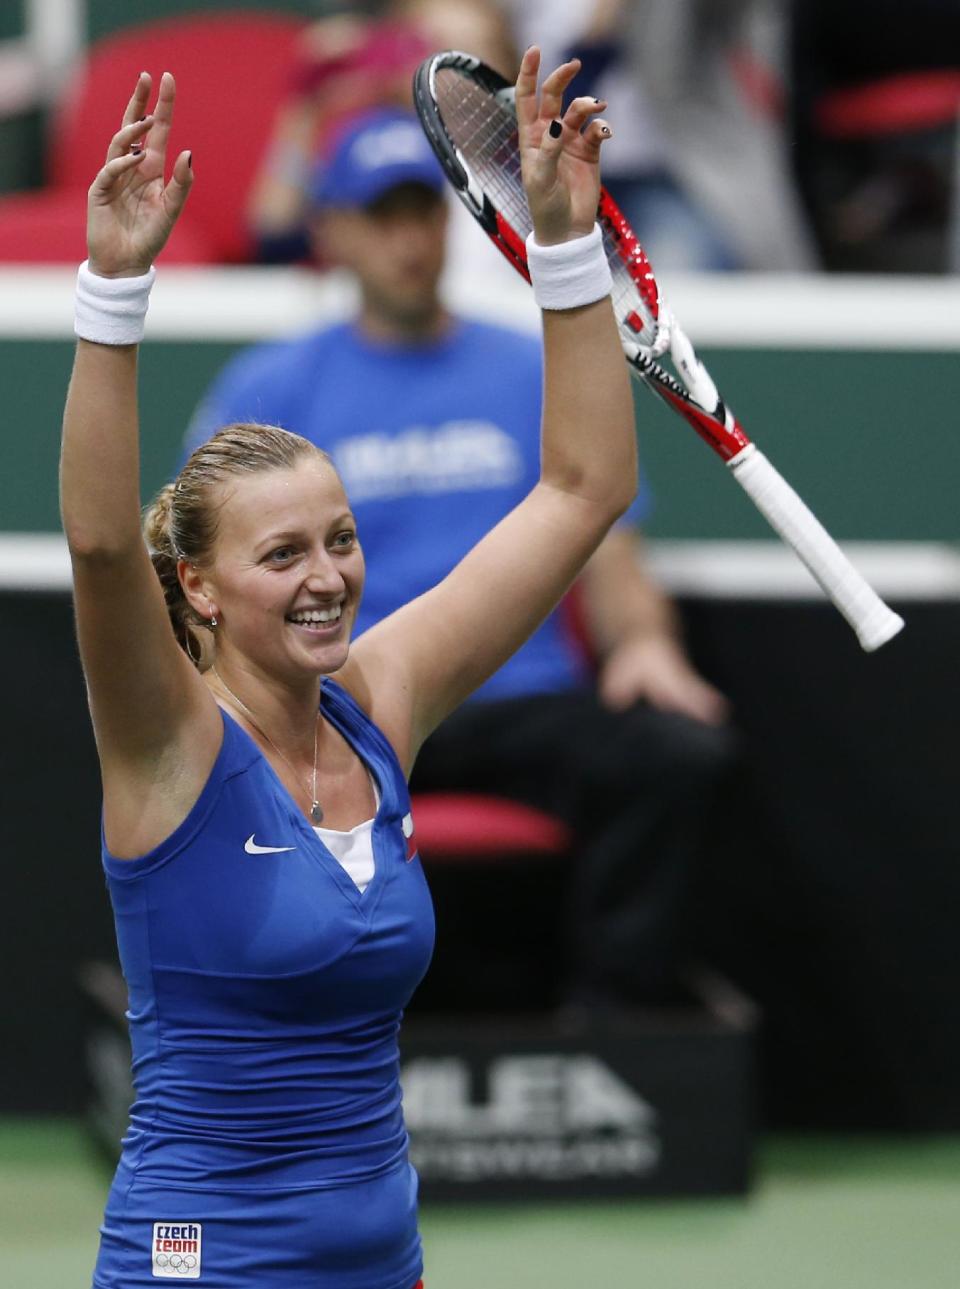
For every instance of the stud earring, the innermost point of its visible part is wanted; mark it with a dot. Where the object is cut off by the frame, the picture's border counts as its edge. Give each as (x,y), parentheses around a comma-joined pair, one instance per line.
(213,622)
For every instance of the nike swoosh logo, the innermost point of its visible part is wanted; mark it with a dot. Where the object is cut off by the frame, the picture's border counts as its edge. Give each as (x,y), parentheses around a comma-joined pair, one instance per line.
(251,847)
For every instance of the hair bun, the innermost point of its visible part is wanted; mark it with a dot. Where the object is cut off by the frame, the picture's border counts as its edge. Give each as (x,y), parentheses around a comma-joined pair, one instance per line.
(157,522)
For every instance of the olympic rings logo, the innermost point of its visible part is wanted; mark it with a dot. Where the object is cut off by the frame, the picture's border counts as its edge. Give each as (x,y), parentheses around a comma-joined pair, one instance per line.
(180,1263)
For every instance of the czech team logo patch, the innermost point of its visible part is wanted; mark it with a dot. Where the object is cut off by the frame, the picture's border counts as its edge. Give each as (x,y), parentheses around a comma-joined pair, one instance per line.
(176,1250)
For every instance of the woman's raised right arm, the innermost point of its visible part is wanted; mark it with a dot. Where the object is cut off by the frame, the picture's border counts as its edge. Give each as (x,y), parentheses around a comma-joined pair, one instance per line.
(143,690)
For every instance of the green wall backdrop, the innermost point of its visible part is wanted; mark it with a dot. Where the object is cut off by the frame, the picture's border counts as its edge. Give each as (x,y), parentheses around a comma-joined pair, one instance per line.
(870,440)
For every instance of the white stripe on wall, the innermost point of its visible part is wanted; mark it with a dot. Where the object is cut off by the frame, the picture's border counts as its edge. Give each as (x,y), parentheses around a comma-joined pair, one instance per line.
(901,571)
(733,310)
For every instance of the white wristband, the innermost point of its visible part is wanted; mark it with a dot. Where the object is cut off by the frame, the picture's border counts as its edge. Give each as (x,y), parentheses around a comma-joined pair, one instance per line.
(569,274)
(111,310)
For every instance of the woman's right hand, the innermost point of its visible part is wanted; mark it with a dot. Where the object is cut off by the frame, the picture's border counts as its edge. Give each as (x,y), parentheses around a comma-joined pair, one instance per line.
(130,213)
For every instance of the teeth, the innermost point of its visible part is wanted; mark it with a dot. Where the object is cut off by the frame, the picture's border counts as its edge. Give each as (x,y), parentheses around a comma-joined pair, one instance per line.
(317,615)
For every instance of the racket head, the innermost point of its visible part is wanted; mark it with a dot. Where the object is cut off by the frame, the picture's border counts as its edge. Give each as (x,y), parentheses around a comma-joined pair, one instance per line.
(468,113)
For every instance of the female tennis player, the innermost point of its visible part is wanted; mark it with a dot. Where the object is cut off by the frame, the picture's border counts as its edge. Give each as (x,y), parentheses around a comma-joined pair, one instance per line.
(271,912)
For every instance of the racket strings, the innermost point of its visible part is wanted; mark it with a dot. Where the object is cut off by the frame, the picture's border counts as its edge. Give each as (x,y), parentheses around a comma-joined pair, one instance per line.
(483,129)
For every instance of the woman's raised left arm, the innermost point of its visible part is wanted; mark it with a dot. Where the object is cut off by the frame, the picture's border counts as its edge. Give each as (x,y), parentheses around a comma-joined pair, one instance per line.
(419,664)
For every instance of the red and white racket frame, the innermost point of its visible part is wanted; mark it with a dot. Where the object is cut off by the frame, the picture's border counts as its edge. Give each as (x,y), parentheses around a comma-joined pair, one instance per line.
(697,401)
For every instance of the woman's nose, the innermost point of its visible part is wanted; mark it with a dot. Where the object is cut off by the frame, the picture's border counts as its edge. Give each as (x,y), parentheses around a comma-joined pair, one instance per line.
(323,576)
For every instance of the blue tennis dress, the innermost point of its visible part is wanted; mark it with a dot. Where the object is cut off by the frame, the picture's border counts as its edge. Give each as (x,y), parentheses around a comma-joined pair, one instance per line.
(266,1146)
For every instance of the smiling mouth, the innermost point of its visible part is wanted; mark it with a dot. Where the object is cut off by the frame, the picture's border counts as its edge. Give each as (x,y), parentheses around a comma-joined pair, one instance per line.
(317,619)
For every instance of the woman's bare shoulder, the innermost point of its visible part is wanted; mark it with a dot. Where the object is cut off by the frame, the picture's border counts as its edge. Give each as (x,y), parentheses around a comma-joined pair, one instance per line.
(381,690)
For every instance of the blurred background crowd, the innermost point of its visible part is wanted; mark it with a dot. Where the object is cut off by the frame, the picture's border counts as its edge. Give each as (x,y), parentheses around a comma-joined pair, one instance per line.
(750,134)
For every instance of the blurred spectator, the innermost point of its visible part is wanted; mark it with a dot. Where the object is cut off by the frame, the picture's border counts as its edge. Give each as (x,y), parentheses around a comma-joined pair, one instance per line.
(674,230)
(876,105)
(432,421)
(698,158)
(37,55)
(344,64)
(480,27)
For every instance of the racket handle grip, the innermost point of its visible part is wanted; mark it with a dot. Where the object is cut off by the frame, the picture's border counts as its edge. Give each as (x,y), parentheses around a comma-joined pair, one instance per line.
(870,618)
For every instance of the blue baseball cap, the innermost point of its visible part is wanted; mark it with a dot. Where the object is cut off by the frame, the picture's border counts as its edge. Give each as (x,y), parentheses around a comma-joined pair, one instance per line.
(373,153)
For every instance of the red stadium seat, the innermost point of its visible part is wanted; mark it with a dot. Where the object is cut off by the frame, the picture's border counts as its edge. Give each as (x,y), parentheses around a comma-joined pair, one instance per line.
(231,73)
(895,105)
(882,182)
(491,867)
(461,826)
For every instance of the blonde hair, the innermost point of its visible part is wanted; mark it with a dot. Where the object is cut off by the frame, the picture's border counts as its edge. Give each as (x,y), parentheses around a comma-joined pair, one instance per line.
(181,521)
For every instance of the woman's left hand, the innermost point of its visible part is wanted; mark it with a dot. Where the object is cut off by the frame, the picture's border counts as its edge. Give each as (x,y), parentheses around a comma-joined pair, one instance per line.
(559,152)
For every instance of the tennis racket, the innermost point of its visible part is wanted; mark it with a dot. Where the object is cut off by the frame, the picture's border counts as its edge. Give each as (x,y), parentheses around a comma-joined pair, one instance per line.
(467,111)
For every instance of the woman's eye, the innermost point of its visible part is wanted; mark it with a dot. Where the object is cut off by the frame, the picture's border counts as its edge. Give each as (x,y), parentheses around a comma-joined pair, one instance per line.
(282,555)
(345,539)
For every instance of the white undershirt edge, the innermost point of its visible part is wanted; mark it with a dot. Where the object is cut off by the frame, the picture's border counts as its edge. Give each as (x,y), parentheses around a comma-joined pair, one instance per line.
(353,850)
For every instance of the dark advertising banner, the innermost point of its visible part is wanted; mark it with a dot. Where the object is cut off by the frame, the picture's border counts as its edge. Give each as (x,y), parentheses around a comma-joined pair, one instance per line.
(655,1103)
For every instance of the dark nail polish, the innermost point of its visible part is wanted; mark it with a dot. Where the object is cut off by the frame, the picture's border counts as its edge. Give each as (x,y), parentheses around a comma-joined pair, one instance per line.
(556,129)
(190,160)
(140,120)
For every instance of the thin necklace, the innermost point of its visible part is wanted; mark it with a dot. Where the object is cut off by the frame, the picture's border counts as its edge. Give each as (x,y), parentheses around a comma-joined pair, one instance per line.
(316,810)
